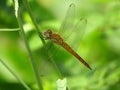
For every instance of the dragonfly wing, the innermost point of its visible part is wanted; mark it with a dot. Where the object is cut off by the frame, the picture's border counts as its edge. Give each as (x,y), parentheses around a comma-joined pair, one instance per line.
(72,29)
(75,37)
(68,22)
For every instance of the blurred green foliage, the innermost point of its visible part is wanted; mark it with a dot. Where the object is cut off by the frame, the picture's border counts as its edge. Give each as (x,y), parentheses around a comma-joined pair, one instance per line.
(100,46)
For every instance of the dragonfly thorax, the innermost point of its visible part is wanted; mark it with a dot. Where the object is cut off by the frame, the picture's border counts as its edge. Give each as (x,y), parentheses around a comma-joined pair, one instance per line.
(47,34)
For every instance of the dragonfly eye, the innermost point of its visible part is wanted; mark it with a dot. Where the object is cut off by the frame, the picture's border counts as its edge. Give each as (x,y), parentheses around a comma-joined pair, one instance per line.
(47,34)
(49,31)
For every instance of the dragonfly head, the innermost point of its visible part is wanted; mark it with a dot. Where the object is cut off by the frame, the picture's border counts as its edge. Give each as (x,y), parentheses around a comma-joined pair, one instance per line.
(47,34)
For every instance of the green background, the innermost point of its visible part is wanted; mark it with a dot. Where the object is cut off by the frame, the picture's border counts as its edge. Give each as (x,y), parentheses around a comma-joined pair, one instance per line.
(100,45)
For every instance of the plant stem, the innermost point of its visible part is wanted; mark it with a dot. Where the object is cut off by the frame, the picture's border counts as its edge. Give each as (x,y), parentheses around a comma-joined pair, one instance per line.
(41,37)
(30,53)
(20,80)
(8,29)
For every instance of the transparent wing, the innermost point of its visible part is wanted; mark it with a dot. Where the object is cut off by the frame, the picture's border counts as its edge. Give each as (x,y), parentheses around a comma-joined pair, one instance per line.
(72,30)
(77,33)
(68,23)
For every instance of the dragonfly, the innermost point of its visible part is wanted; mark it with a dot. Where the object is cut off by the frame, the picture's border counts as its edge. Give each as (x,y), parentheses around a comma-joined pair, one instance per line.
(67,24)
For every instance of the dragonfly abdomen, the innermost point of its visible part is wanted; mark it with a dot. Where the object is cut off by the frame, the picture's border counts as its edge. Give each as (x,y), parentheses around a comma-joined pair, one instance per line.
(70,50)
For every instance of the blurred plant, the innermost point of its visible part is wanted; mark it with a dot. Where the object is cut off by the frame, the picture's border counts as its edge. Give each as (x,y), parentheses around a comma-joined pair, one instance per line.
(100,45)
